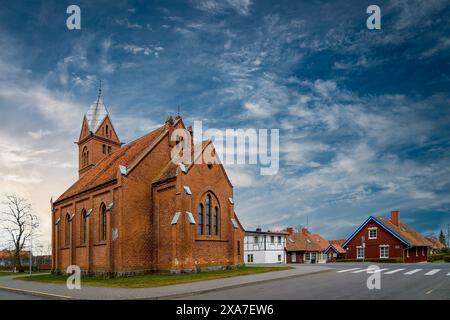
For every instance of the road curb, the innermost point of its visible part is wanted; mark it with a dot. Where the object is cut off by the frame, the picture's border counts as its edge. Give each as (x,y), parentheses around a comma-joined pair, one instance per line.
(180,295)
(35,293)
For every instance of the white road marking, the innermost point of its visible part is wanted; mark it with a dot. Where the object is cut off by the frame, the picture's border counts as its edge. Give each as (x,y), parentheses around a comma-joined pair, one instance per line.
(394,271)
(412,272)
(379,270)
(434,271)
(363,270)
(448,274)
(346,270)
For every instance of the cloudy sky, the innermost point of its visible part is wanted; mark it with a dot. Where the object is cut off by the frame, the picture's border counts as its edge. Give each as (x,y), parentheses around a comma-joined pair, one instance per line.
(364,115)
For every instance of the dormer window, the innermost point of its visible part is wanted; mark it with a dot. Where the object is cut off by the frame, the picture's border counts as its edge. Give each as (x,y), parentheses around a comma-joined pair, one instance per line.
(107,131)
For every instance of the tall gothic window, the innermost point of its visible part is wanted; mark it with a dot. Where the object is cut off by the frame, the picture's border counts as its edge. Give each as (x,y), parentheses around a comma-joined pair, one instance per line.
(103,222)
(216,230)
(67,242)
(200,219)
(208,214)
(83,226)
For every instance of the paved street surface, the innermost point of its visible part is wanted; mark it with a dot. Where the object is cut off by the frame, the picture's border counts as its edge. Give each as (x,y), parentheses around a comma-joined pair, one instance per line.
(8,295)
(331,281)
(348,281)
(60,291)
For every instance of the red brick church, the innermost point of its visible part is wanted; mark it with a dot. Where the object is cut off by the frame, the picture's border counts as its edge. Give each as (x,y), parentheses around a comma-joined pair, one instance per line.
(133,210)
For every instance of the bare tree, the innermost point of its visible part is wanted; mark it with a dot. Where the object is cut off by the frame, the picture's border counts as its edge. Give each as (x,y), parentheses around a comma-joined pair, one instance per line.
(19,222)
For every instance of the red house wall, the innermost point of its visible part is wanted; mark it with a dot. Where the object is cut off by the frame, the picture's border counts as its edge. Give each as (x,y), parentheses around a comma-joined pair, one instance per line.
(372,249)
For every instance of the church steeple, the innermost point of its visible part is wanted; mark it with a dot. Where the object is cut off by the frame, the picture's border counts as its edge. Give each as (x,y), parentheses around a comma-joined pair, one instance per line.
(98,138)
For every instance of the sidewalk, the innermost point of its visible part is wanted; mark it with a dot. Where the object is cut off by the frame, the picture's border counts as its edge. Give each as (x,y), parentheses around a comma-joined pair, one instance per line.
(60,291)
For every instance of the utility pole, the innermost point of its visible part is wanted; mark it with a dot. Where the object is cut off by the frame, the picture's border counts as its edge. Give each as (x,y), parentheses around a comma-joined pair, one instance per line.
(448,235)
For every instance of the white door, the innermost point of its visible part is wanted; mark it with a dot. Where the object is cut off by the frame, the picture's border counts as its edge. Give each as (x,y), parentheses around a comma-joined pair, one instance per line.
(293,257)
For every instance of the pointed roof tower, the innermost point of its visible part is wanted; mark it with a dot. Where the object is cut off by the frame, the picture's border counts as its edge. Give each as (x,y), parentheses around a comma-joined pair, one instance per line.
(97,112)
(98,138)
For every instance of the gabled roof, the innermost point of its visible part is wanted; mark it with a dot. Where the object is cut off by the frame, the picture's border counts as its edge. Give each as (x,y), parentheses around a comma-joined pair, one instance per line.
(301,242)
(413,237)
(106,169)
(336,247)
(96,114)
(404,233)
(435,243)
(339,241)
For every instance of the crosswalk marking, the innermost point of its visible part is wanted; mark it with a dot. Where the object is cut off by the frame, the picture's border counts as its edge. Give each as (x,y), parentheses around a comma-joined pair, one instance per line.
(412,271)
(434,271)
(359,271)
(346,270)
(448,274)
(394,271)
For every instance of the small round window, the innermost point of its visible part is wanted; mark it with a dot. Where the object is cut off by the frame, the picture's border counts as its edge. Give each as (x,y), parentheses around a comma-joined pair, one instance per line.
(210,165)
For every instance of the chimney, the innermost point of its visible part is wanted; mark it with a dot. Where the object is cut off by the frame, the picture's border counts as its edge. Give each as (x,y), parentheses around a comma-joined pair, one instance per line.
(305,231)
(395,218)
(290,230)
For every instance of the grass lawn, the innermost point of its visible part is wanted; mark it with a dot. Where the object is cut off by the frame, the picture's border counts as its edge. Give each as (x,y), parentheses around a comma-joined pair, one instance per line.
(155,280)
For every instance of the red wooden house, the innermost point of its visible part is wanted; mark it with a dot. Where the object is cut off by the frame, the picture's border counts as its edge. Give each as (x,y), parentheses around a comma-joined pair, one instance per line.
(379,238)
(335,250)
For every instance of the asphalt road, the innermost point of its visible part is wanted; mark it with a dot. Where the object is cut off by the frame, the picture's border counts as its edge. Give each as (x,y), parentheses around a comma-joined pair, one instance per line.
(342,283)
(8,295)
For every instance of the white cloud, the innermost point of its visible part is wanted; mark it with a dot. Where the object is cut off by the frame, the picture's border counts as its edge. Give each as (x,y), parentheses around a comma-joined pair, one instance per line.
(241,7)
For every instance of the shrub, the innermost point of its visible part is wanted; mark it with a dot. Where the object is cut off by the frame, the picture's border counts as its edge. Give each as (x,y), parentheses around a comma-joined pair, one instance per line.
(436,257)
(447,258)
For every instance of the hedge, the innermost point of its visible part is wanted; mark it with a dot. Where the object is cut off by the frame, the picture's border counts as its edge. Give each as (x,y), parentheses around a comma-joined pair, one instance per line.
(389,260)
(436,257)
(447,258)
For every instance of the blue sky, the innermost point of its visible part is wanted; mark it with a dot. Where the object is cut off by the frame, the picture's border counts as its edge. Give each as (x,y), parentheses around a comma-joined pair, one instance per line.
(364,115)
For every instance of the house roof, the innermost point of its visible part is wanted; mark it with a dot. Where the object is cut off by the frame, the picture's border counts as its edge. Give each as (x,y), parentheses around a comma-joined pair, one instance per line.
(435,243)
(268,232)
(402,232)
(106,169)
(338,242)
(300,241)
(413,237)
(336,247)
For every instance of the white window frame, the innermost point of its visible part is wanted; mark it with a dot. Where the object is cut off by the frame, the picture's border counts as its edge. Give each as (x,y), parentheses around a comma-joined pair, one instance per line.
(376,233)
(384,246)
(249,257)
(357,252)
(280,258)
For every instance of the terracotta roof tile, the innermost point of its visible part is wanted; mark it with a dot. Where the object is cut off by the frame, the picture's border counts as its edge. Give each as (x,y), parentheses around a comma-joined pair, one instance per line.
(409,234)
(300,242)
(106,169)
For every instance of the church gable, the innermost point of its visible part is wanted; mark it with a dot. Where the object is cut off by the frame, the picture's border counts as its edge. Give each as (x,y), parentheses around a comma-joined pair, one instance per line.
(84,132)
(106,130)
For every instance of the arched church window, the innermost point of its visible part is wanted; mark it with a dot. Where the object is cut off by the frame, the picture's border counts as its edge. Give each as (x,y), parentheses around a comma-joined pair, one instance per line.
(208,214)
(103,222)
(67,241)
(200,219)
(83,226)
